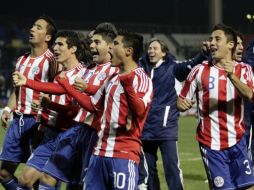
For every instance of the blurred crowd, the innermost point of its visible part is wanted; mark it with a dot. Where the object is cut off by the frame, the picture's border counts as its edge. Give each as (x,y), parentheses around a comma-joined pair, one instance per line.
(13,43)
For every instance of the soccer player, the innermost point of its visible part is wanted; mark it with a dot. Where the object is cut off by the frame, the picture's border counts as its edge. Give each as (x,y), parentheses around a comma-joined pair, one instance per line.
(248,57)
(221,85)
(68,50)
(38,65)
(77,143)
(161,126)
(124,100)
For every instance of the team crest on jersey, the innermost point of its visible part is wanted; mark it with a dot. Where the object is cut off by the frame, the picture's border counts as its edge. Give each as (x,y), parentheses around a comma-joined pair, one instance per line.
(218,181)
(102,76)
(35,70)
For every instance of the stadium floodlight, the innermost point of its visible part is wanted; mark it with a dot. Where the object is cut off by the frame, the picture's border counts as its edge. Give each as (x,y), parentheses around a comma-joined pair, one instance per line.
(250,17)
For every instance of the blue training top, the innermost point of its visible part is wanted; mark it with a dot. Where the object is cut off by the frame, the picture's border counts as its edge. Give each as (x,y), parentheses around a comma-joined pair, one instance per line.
(162,120)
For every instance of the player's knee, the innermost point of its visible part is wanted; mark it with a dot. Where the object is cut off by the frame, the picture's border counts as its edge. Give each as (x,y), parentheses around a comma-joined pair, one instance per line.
(29,176)
(25,180)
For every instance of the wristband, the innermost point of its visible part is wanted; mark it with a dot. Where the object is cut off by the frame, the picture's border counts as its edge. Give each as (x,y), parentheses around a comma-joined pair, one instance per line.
(8,109)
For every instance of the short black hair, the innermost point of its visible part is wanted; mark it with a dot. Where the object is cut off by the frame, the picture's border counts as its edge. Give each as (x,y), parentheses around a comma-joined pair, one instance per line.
(134,41)
(240,35)
(229,32)
(74,39)
(51,27)
(107,30)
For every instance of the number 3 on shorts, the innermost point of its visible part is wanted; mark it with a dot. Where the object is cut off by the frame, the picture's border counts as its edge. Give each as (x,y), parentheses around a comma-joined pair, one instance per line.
(247,165)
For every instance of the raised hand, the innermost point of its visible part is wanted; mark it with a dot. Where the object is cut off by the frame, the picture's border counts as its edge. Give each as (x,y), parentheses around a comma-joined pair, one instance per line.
(35,105)
(18,79)
(184,104)
(79,84)
(228,66)
(206,47)
(5,119)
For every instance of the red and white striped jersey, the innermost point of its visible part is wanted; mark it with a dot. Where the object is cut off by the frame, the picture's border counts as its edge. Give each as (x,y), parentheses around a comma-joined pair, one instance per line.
(37,69)
(121,128)
(49,117)
(95,76)
(219,103)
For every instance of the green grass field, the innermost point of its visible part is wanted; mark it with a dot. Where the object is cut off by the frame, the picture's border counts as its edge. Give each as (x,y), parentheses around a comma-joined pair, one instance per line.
(190,159)
(191,163)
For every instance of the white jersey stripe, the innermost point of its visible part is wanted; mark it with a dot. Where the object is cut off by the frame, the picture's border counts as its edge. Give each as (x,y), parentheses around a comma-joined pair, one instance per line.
(221,123)
(230,117)
(119,135)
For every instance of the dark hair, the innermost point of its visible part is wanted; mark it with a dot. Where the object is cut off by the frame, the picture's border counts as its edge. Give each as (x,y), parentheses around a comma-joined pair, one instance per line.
(240,35)
(51,27)
(164,47)
(107,30)
(87,57)
(135,41)
(73,39)
(229,32)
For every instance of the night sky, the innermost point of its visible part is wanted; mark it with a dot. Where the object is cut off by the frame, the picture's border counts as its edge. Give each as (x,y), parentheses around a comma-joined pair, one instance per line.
(174,13)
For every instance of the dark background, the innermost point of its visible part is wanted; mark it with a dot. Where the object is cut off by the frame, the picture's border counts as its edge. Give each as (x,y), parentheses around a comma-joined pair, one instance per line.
(181,16)
(145,16)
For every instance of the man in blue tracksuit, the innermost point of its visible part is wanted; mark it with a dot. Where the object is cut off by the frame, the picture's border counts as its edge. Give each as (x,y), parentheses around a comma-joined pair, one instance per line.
(161,127)
(248,57)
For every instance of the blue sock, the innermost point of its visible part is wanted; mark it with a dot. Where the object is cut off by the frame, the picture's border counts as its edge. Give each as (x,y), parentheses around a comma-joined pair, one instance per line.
(10,184)
(44,186)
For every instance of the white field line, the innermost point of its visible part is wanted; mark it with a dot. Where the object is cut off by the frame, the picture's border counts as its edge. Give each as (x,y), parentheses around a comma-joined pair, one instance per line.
(186,157)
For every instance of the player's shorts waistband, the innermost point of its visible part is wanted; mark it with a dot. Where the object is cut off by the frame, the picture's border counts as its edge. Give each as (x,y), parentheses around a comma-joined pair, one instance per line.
(19,114)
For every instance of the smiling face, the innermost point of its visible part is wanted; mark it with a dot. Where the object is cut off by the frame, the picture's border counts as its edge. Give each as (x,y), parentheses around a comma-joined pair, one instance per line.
(99,49)
(239,50)
(38,32)
(155,52)
(220,47)
(62,52)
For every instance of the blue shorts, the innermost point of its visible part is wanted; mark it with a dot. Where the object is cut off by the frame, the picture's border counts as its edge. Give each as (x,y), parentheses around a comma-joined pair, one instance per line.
(65,163)
(89,143)
(17,146)
(230,168)
(111,173)
(42,153)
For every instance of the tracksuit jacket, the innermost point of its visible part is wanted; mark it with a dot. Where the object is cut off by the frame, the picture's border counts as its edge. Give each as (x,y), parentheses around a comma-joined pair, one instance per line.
(162,120)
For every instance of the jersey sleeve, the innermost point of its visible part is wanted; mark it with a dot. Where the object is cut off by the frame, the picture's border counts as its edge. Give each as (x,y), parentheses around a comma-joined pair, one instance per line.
(83,99)
(183,68)
(247,76)
(92,89)
(138,90)
(46,87)
(190,84)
